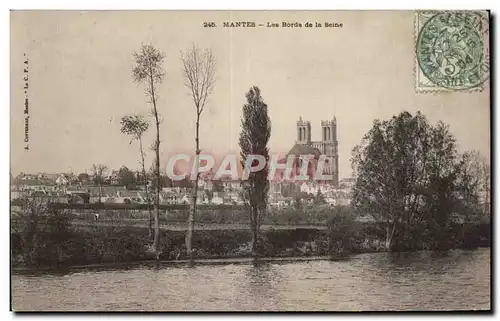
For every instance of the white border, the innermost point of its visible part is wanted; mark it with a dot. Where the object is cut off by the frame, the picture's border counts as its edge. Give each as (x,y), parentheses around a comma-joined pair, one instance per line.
(214,4)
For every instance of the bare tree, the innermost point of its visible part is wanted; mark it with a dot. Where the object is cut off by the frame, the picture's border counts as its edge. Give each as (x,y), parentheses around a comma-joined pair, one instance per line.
(136,126)
(478,169)
(99,172)
(46,233)
(198,68)
(148,70)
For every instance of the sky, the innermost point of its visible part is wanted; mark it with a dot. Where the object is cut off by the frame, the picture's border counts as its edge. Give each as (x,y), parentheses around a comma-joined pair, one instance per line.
(80,83)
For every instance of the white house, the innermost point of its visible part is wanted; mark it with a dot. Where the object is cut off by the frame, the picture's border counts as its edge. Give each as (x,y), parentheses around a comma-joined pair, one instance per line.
(217,198)
(331,201)
(62,180)
(231,185)
(169,197)
(184,199)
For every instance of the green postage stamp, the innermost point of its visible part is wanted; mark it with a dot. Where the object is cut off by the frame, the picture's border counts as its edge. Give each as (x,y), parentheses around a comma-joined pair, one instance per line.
(451,50)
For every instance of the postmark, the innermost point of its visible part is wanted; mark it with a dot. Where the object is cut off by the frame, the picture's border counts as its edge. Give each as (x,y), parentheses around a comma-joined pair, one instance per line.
(451,50)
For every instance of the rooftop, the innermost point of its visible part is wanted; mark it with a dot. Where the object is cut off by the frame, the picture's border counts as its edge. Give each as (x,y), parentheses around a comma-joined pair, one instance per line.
(300,149)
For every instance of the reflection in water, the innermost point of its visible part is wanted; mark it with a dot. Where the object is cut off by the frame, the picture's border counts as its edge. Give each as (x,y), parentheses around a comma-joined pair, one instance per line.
(260,277)
(378,281)
(260,283)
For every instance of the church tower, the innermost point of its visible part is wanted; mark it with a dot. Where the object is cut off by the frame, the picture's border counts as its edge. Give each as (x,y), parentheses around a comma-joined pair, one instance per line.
(303,132)
(330,146)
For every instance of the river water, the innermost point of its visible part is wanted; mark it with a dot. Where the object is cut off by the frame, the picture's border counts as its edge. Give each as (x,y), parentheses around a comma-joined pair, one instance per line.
(457,280)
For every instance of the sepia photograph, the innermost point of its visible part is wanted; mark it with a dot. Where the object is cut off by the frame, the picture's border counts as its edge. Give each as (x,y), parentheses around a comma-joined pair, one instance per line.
(196,161)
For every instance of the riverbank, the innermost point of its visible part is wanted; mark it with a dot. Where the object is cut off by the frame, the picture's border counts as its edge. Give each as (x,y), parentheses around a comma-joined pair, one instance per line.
(165,263)
(199,262)
(101,245)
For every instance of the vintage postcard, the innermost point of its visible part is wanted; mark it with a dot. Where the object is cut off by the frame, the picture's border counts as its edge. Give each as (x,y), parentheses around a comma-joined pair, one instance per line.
(250,161)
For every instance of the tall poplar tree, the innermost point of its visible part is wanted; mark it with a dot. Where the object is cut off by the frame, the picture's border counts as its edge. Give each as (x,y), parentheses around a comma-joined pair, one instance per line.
(254,136)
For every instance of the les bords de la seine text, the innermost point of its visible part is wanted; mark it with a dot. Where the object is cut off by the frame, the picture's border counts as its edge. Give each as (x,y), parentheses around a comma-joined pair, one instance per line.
(271,24)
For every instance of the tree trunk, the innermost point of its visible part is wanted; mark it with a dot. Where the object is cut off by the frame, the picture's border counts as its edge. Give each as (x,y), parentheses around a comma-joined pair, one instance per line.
(389,236)
(156,240)
(255,232)
(150,227)
(189,232)
(192,209)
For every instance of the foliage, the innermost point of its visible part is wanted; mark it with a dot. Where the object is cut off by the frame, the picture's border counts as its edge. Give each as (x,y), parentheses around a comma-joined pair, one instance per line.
(290,190)
(183,183)
(83,178)
(254,136)
(217,186)
(148,64)
(134,125)
(165,181)
(297,203)
(127,178)
(319,199)
(43,237)
(45,234)
(473,180)
(341,225)
(408,172)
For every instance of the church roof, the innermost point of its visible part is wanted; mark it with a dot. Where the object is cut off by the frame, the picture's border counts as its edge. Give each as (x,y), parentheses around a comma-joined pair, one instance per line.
(300,149)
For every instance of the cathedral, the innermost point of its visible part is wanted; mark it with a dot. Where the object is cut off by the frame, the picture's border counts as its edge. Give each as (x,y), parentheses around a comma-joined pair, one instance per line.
(328,145)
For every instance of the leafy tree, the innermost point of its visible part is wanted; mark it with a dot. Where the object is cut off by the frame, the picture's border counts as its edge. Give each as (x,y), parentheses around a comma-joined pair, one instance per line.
(306,196)
(83,178)
(46,234)
(439,197)
(199,77)
(340,226)
(126,178)
(135,126)
(210,195)
(217,186)
(254,136)
(72,179)
(297,202)
(473,181)
(408,176)
(289,190)
(319,199)
(183,183)
(166,181)
(148,70)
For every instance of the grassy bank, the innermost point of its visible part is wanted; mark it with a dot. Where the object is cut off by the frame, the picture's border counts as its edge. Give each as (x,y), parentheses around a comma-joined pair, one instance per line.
(56,243)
